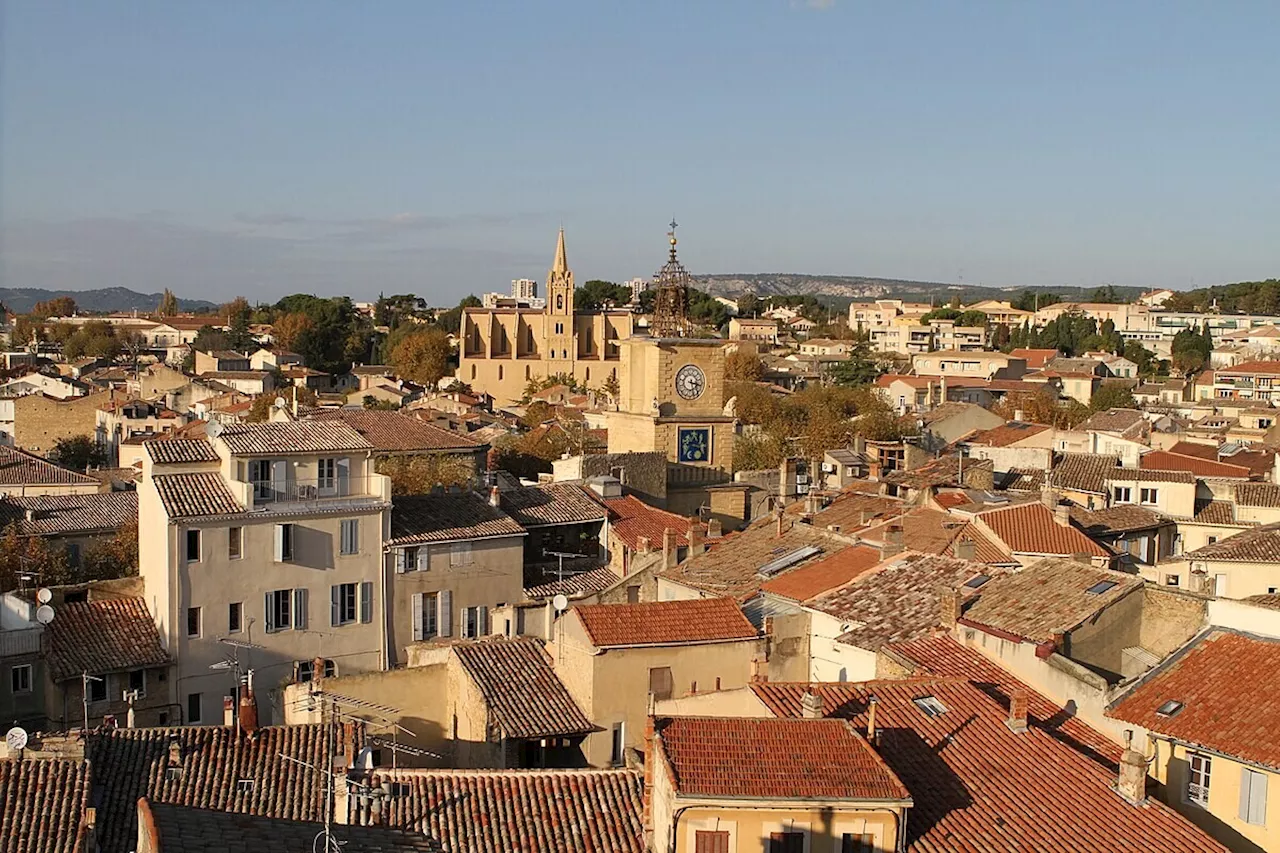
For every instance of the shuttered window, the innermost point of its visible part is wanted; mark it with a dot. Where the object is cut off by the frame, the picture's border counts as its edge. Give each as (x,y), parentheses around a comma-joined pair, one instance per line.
(708,841)
(350,536)
(366,602)
(1253,797)
(660,682)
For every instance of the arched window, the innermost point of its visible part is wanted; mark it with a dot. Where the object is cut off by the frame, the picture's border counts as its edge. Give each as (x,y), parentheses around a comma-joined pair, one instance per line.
(559,301)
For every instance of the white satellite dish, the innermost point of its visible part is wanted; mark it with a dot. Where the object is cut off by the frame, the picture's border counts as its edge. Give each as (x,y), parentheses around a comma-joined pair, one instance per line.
(560,602)
(44,614)
(213,429)
(44,595)
(281,402)
(16,738)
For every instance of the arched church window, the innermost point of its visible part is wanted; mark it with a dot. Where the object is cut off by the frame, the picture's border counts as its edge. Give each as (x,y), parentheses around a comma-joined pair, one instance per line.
(559,301)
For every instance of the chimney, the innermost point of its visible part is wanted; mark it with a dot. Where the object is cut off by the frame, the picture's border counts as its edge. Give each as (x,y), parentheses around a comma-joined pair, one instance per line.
(965,548)
(175,752)
(1062,515)
(1132,784)
(228,711)
(491,459)
(642,545)
(811,705)
(696,544)
(342,801)
(670,558)
(495,497)
(779,521)
(714,529)
(949,606)
(648,774)
(892,541)
(1017,721)
(759,670)
(317,672)
(248,706)
(1049,498)
(1018,415)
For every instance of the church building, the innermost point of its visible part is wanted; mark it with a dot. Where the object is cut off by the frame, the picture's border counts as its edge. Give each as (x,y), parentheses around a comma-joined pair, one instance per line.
(502,349)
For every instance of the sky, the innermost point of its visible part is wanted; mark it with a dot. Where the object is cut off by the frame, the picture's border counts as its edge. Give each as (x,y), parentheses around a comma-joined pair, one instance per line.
(259,149)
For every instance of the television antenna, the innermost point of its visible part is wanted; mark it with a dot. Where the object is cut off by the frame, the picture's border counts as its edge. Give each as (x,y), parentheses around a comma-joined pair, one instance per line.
(560,555)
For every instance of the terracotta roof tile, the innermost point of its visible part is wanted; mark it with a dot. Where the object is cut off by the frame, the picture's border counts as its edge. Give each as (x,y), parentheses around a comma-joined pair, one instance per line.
(525,696)
(974,781)
(446,518)
(1126,422)
(19,468)
(1083,472)
(1269,600)
(1266,368)
(292,437)
(59,515)
(661,623)
(824,575)
(1195,448)
(579,584)
(392,432)
(193,495)
(772,759)
(1258,494)
(1031,528)
(852,508)
(540,811)
(554,503)
(631,518)
(1047,597)
(99,637)
(1225,682)
(943,471)
(1165,461)
(189,830)
(44,806)
(1260,544)
(1145,475)
(1220,512)
(165,451)
(930,531)
(731,564)
(1117,519)
(1006,434)
(1024,480)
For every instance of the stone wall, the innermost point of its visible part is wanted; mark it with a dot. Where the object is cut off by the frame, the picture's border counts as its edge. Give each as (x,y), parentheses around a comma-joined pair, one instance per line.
(39,422)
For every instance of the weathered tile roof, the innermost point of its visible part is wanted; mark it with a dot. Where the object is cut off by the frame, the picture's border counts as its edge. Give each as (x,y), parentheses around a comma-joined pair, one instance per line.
(1031,528)
(851,509)
(194,495)
(578,584)
(826,574)
(19,468)
(1121,421)
(553,503)
(974,781)
(1267,368)
(1117,519)
(1023,480)
(631,518)
(1271,601)
(44,804)
(165,451)
(1220,512)
(530,811)
(1258,545)
(272,439)
(1083,472)
(930,531)
(392,432)
(946,410)
(662,623)
(731,564)
(1164,461)
(898,600)
(1258,494)
(1144,475)
(525,696)
(188,830)
(1006,434)
(1195,448)
(103,636)
(1226,684)
(1047,597)
(943,471)
(773,759)
(447,518)
(132,763)
(59,515)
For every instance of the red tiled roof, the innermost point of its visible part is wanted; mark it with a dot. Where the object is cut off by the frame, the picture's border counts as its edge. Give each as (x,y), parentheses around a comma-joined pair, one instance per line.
(44,806)
(947,500)
(392,432)
(1036,358)
(553,503)
(931,531)
(1006,434)
(824,575)
(1265,367)
(1161,460)
(1030,528)
(977,785)
(189,830)
(197,494)
(631,518)
(1195,448)
(99,637)
(165,451)
(658,623)
(525,696)
(1226,684)
(772,759)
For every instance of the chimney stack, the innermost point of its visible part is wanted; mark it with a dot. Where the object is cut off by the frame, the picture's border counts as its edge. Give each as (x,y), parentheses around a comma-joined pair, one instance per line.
(1062,515)
(714,529)
(696,544)
(648,773)
(248,706)
(965,548)
(1018,415)
(1049,498)
(949,605)
(1017,721)
(892,541)
(872,702)
(175,752)
(1132,783)
(811,705)
(228,711)
(642,545)
(779,521)
(670,558)
(495,497)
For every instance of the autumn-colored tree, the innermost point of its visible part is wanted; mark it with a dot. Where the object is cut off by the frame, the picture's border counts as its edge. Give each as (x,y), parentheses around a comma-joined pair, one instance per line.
(423,356)
(168,306)
(25,328)
(417,475)
(289,328)
(260,411)
(29,555)
(58,306)
(116,557)
(742,366)
(757,451)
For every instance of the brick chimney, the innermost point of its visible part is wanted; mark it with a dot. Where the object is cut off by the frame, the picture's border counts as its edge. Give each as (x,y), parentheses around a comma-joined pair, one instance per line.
(1049,497)
(949,607)
(779,522)
(1017,721)
(811,705)
(1062,515)
(965,548)
(248,706)
(714,529)
(670,558)
(1132,782)
(892,541)
(643,545)
(648,774)
(696,544)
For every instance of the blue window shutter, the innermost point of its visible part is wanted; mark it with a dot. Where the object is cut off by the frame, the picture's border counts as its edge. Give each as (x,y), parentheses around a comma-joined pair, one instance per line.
(299,609)
(335,605)
(270,613)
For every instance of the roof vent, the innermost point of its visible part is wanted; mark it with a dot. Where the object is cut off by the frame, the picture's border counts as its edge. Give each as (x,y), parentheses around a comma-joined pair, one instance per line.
(1170,708)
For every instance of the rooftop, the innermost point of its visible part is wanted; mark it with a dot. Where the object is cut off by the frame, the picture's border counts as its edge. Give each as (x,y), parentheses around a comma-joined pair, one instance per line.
(193,495)
(579,584)
(1125,422)
(1258,494)
(1083,472)
(44,805)
(392,432)
(181,829)
(943,471)
(1149,475)
(1165,461)
(523,692)
(1220,512)
(166,451)
(785,759)
(19,468)
(553,503)
(826,574)
(1121,518)
(1006,434)
(1257,545)
(447,518)
(1223,685)
(732,563)
(103,636)
(662,623)
(930,531)
(1269,368)
(284,438)
(61,515)
(1031,528)
(631,518)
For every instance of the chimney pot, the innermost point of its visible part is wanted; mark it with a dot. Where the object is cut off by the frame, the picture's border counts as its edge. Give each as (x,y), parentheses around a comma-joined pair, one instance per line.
(1132,782)
(714,528)
(1018,701)
(949,604)
(811,705)
(1062,515)
(872,702)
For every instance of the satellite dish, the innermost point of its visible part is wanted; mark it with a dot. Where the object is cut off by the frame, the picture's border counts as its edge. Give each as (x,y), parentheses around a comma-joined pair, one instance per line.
(44,614)
(560,602)
(16,738)
(281,402)
(44,595)
(213,429)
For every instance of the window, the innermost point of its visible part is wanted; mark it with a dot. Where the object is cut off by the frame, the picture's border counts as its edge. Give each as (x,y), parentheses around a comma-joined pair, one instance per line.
(617,744)
(633,595)
(1253,797)
(1169,708)
(786,842)
(20,679)
(193,709)
(474,621)
(1100,587)
(193,546)
(1199,767)
(460,554)
(235,542)
(366,602)
(345,604)
(1149,496)
(284,543)
(1123,494)
(711,841)
(930,705)
(349,534)
(73,554)
(98,689)
(305,670)
(138,682)
(425,615)
(235,613)
(1213,539)
(326,474)
(1172,580)
(660,682)
(857,842)
(193,621)
(279,609)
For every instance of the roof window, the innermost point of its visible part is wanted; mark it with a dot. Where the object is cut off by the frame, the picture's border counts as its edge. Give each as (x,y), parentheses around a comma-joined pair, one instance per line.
(772,568)
(977,581)
(930,705)
(1170,708)
(1100,587)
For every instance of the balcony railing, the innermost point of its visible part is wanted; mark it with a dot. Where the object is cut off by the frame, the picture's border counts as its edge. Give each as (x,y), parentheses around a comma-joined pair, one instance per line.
(318,489)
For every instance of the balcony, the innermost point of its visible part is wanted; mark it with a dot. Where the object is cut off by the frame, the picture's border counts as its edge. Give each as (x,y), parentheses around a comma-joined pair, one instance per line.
(315,495)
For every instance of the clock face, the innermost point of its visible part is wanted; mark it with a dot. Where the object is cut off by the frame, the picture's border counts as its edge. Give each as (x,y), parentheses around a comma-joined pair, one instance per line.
(690,382)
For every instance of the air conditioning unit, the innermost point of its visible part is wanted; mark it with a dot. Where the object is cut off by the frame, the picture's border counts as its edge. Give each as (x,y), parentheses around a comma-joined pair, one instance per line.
(828,468)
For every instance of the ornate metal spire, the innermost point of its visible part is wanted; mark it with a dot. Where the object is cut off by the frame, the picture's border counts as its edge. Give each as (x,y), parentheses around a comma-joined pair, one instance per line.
(671,301)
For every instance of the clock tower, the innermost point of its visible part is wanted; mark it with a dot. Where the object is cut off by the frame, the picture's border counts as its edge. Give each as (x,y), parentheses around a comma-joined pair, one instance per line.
(559,313)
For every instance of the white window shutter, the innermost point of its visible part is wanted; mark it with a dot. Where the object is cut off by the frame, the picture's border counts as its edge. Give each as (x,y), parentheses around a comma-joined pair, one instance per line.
(463,628)
(270,613)
(482,622)
(1258,798)
(420,563)
(354,524)
(344,475)
(444,618)
(417,616)
(400,561)
(280,477)
(279,543)
(335,605)
(366,602)
(300,609)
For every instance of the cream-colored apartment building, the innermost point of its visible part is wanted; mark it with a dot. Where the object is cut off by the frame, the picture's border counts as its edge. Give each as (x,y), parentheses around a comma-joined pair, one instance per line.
(263,546)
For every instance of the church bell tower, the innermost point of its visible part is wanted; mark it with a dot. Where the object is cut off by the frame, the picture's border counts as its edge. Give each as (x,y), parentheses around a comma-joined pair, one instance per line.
(559,309)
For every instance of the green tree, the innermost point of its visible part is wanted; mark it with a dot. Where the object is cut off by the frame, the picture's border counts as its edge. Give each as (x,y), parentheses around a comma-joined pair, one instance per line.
(78,452)
(168,306)
(748,305)
(1113,395)
(423,356)
(58,306)
(373,404)
(595,294)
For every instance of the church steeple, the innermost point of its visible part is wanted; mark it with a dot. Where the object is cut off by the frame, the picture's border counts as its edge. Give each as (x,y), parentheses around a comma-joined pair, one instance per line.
(560,282)
(561,265)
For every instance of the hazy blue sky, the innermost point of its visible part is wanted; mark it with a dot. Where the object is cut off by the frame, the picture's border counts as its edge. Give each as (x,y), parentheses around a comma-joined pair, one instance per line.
(262,148)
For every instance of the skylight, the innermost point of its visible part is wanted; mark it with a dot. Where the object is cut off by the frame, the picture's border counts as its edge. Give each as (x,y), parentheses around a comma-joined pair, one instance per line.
(773,567)
(977,581)
(1170,708)
(1100,587)
(930,705)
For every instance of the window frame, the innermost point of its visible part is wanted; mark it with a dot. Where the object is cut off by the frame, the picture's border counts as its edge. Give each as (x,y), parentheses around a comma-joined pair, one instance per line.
(1149,496)
(285,545)
(198,612)
(618,743)
(235,543)
(142,673)
(349,537)
(460,554)
(1199,779)
(14,671)
(236,625)
(345,599)
(197,540)
(198,717)
(98,690)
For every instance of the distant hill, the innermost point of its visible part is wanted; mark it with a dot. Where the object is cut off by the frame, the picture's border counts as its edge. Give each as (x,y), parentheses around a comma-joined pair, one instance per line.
(20,300)
(842,289)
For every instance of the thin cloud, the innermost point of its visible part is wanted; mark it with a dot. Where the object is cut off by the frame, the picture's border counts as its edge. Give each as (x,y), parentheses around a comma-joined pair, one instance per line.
(816,5)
